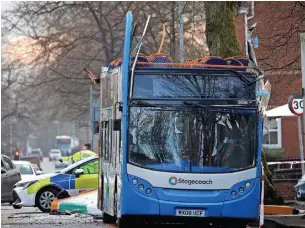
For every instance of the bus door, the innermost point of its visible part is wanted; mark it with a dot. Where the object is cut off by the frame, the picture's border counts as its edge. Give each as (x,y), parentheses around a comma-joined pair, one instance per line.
(110,142)
(108,169)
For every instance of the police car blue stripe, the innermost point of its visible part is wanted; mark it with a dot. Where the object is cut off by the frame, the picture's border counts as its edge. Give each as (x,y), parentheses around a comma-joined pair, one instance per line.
(61,180)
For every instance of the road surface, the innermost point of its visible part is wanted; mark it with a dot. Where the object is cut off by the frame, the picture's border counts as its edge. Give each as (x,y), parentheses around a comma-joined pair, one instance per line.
(33,218)
(47,166)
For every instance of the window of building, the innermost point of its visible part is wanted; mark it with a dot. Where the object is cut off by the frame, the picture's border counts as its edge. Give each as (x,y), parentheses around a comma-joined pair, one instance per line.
(272,133)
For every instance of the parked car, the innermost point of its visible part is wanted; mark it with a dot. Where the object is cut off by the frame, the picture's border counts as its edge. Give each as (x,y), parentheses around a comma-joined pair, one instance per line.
(41,190)
(300,189)
(37,152)
(54,154)
(35,160)
(37,170)
(26,170)
(9,177)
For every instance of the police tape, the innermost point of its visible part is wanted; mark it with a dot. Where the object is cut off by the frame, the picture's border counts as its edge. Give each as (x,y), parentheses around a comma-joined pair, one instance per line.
(285,162)
(261,216)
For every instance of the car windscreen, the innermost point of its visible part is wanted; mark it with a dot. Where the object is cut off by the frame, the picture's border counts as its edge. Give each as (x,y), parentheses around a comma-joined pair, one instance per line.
(24,169)
(35,152)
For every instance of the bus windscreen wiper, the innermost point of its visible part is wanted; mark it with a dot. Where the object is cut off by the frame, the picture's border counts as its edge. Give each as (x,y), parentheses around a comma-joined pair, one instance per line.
(195,104)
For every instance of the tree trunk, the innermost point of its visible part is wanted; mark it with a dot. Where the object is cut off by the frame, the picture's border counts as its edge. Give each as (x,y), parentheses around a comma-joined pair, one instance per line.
(221,29)
(173,32)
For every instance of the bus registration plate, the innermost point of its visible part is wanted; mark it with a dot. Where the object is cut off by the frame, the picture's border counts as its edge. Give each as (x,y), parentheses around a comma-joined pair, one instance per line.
(190,213)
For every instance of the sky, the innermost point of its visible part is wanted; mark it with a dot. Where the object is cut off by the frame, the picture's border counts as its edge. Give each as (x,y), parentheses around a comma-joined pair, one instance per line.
(5,5)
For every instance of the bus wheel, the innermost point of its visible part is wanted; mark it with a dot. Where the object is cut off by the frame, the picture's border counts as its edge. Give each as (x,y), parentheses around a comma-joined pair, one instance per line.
(108,218)
(123,223)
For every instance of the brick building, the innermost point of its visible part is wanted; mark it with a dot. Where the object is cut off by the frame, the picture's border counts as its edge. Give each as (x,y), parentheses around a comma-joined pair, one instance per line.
(278,27)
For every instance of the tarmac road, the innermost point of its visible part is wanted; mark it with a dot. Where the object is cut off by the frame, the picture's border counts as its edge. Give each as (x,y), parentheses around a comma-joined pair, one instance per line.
(33,218)
(47,166)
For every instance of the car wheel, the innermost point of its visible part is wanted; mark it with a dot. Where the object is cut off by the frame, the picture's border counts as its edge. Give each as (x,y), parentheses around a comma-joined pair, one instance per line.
(45,198)
(16,200)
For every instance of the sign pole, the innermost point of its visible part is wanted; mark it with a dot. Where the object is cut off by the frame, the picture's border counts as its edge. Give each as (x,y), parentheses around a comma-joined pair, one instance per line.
(301,142)
(302,38)
(91,118)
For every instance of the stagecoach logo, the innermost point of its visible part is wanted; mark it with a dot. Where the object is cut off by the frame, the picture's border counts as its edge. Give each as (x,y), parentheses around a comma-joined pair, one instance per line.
(175,180)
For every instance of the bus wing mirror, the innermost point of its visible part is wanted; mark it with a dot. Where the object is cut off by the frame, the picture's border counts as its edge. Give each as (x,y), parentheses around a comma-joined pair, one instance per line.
(117,125)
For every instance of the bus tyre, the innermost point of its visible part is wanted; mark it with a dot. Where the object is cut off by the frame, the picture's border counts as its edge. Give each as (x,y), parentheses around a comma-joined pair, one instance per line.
(17,206)
(123,223)
(108,218)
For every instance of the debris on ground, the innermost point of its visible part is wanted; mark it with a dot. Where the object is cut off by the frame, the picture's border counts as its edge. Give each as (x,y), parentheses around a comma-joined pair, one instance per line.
(84,203)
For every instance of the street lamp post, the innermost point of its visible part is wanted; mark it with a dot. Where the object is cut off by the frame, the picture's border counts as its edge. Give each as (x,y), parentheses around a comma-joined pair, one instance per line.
(302,38)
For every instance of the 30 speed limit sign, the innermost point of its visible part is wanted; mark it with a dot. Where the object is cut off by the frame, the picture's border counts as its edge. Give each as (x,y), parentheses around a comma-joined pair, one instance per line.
(295,105)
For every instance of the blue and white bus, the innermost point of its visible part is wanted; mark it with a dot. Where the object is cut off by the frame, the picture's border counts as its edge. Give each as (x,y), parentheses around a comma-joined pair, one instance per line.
(180,141)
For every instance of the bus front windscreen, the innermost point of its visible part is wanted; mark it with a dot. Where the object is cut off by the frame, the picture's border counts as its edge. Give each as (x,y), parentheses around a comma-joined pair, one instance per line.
(63,143)
(191,140)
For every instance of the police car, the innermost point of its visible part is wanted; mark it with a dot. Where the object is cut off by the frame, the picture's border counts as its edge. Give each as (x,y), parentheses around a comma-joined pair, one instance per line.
(42,190)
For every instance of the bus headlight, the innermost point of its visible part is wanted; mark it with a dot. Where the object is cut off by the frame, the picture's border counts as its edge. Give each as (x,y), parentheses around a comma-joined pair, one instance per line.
(135,181)
(148,191)
(241,189)
(141,187)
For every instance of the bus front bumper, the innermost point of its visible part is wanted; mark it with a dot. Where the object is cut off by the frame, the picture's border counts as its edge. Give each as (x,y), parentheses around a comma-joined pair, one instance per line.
(135,202)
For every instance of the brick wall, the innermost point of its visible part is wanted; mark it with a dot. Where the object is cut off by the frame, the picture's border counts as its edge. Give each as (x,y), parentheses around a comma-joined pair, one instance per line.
(290,141)
(285,188)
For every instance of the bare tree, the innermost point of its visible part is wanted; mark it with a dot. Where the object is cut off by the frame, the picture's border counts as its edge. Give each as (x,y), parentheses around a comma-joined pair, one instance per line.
(279,51)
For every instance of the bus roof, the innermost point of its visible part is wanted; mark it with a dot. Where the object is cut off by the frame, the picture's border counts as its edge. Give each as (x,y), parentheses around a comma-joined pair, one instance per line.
(237,63)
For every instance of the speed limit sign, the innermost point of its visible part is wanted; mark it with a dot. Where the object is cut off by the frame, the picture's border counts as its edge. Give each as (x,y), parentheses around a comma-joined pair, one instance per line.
(295,105)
